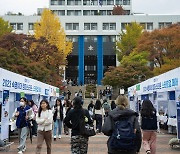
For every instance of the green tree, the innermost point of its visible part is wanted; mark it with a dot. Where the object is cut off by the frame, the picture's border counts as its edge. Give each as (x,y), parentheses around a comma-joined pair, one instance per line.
(4,27)
(128,39)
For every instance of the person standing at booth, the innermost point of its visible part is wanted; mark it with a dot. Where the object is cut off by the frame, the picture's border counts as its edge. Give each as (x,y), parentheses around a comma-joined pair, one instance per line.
(149,126)
(23,115)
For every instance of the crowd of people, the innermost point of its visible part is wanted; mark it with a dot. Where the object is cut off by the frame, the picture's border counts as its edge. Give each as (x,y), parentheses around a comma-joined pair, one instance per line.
(110,117)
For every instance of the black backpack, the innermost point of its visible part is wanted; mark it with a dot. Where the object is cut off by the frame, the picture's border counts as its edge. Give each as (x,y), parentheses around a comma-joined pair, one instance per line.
(123,135)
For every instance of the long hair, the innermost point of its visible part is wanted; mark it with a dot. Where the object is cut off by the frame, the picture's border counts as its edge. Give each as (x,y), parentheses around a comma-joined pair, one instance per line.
(58,100)
(77,103)
(147,109)
(32,103)
(40,108)
(97,105)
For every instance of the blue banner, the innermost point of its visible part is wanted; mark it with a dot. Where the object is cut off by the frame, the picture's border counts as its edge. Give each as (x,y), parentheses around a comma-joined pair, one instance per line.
(178,120)
(5,116)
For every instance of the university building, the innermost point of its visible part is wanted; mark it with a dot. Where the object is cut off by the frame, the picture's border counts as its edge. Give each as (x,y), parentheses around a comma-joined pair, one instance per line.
(93,30)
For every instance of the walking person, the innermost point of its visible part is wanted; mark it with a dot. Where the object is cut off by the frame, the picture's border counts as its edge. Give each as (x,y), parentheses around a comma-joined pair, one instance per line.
(58,118)
(149,126)
(23,123)
(35,111)
(99,113)
(44,120)
(123,129)
(79,143)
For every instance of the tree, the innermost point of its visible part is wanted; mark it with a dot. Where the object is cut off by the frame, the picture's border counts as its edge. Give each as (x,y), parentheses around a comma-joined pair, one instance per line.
(39,52)
(118,10)
(16,61)
(4,27)
(128,40)
(160,44)
(50,28)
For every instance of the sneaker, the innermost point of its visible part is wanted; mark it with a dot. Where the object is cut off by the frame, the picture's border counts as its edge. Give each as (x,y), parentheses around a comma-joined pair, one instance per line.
(24,149)
(148,152)
(20,152)
(59,136)
(54,138)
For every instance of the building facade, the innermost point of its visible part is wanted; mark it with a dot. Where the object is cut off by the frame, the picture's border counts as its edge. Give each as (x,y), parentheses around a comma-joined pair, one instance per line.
(92,28)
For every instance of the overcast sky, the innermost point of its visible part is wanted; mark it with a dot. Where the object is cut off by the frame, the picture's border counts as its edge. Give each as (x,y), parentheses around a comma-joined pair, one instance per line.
(29,7)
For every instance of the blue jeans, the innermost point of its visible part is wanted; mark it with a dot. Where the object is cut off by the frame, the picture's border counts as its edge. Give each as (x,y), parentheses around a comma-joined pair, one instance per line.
(57,125)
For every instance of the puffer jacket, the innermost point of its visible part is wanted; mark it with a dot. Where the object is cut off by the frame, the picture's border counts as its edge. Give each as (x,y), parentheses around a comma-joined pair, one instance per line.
(108,126)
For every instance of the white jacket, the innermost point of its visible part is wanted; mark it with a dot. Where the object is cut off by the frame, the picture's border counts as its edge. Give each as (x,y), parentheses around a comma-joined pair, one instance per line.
(45,120)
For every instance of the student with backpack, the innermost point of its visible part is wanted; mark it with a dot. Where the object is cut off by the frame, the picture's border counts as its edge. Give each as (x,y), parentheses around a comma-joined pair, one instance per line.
(123,129)
(149,126)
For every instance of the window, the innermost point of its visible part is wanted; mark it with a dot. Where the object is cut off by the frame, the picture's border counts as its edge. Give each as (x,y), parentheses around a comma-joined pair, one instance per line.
(110,2)
(86,2)
(86,12)
(74,12)
(31,26)
(102,12)
(72,26)
(90,38)
(94,2)
(109,12)
(103,2)
(72,38)
(19,26)
(54,2)
(90,26)
(61,2)
(13,25)
(109,26)
(123,26)
(149,26)
(94,12)
(109,38)
(77,12)
(161,25)
(118,2)
(126,2)
(143,25)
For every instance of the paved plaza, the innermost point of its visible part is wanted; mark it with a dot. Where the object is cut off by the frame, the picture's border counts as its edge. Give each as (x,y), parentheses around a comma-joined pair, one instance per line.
(97,145)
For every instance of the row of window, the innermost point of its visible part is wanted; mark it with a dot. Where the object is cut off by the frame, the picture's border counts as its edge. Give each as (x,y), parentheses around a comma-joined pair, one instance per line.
(94,26)
(90,2)
(86,12)
(110,38)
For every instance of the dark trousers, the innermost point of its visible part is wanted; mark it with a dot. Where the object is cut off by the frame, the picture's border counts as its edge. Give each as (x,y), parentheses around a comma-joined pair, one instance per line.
(98,119)
(41,136)
(34,127)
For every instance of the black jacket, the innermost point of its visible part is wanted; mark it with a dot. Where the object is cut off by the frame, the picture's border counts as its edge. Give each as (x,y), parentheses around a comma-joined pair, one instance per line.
(72,120)
(108,126)
(149,123)
(55,113)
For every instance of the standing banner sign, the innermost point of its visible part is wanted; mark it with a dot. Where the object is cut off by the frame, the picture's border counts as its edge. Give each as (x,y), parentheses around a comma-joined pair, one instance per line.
(5,116)
(178,113)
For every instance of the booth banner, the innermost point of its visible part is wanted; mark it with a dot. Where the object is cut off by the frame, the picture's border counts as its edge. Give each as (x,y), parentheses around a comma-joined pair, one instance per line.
(178,112)
(5,116)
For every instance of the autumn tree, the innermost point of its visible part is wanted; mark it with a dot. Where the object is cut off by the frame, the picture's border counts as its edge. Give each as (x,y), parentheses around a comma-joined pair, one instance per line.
(128,39)
(40,52)
(50,28)
(162,44)
(4,27)
(118,10)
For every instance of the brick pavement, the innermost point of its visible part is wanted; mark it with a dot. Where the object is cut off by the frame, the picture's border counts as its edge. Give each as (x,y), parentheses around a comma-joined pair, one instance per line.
(97,145)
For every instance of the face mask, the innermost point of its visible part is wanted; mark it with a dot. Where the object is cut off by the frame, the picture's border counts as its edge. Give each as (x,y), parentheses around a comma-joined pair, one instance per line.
(21,103)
